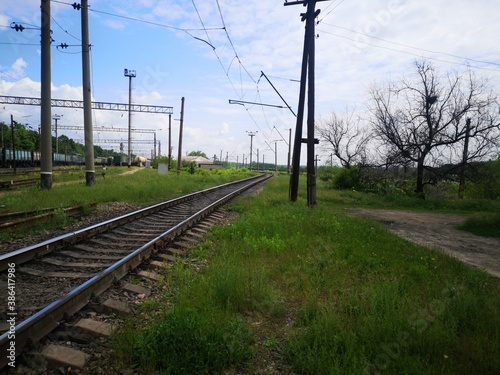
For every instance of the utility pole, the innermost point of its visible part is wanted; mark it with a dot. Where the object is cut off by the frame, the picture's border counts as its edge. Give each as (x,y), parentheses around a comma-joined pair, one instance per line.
(179,155)
(55,118)
(45,111)
(289,149)
(276,154)
(169,141)
(154,147)
(13,144)
(306,74)
(121,153)
(465,154)
(130,74)
(251,134)
(87,98)
(316,163)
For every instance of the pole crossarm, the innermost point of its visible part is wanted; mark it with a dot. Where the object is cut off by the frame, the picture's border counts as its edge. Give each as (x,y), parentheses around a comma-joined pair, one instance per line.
(22,100)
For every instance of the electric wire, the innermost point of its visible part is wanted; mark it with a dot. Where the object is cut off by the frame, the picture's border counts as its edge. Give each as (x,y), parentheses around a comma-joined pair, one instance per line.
(411,53)
(413,47)
(66,31)
(231,42)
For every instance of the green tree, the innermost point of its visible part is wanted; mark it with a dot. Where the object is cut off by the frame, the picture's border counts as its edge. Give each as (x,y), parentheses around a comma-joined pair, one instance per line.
(24,138)
(198,153)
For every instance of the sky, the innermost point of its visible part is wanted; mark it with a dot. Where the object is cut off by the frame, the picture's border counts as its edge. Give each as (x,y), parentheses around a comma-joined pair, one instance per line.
(214,51)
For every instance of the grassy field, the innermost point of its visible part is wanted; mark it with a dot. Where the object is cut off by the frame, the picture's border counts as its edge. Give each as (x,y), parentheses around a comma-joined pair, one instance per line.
(291,290)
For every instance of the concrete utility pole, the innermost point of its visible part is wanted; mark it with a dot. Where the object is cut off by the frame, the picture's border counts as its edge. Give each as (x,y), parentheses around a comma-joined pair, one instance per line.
(87,98)
(169,141)
(56,118)
(251,134)
(45,111)
(179,155)
(130,74)
(289,150)
(306,75)
(13,142)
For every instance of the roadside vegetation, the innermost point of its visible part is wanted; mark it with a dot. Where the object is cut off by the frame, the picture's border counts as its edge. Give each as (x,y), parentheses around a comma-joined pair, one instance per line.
(286,289)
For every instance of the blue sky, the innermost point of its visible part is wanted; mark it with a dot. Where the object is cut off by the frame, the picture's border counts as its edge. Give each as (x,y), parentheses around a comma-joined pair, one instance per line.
(359,44)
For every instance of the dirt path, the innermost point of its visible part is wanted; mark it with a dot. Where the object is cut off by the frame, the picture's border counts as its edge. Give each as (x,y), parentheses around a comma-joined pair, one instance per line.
(437,230)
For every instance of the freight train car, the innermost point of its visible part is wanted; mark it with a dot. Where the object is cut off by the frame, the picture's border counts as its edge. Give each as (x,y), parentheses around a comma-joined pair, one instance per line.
(25,158)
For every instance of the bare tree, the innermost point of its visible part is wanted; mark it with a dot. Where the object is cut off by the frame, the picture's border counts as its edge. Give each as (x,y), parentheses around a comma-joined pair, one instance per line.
(422,116)
(345,138)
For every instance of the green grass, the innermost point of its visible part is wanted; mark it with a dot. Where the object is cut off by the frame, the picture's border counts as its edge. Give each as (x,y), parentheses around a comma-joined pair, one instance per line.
(142,188)
(318,292)
(482,224)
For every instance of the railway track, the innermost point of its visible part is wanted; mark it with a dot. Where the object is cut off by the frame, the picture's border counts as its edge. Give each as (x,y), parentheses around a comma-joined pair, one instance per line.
(13,184)
(56,278)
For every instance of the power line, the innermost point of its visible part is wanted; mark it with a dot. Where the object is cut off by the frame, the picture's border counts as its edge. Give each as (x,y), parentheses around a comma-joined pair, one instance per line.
(66,31)
(408,53)
(412,47)
(230,41)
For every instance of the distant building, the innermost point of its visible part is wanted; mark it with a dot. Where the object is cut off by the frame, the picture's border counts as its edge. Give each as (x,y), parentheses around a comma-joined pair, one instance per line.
(201,162)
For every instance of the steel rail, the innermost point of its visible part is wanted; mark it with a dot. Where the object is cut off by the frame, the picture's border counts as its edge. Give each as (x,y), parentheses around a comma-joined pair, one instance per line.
(28,253)
(44,321)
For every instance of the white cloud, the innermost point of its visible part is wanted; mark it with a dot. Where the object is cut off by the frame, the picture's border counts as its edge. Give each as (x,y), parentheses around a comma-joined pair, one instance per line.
(17,69)
(113,24)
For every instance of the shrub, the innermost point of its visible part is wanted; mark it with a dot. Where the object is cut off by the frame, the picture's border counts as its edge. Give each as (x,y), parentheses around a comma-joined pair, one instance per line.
(347,178)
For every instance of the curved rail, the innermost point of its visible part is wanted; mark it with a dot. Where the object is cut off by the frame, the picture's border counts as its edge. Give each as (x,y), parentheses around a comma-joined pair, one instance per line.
(44,321)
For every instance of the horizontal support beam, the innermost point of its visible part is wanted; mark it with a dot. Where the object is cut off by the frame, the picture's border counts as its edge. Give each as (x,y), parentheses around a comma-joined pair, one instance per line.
(23,100)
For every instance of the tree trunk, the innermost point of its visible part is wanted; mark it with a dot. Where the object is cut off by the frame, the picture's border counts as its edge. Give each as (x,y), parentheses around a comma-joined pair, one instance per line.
(420,178)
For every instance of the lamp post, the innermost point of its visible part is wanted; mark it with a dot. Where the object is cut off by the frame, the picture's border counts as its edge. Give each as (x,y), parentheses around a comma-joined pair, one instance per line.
(130,74)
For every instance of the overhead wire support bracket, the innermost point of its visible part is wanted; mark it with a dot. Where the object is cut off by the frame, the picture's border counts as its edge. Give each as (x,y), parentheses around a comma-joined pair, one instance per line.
(241,102)
(284,101)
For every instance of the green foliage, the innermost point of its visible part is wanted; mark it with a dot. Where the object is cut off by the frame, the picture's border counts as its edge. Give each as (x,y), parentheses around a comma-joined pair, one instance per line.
(483,224)
(348,178)
(198,153)
(164,160)
(24,137)
(486,181)
(327,173)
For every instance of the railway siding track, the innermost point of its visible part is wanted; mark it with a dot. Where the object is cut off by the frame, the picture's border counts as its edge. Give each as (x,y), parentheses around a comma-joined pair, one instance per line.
(99,256)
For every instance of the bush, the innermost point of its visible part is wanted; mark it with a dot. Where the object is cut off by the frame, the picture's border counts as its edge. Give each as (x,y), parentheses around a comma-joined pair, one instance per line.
(348,178)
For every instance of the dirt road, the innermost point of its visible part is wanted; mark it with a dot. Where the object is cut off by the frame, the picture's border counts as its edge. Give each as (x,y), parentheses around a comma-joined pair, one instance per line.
(437,230)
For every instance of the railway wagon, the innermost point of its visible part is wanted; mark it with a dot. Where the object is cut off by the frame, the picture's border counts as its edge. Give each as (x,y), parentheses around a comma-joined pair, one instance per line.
(68,159)
(26,158)
(103,160)
(23,158)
